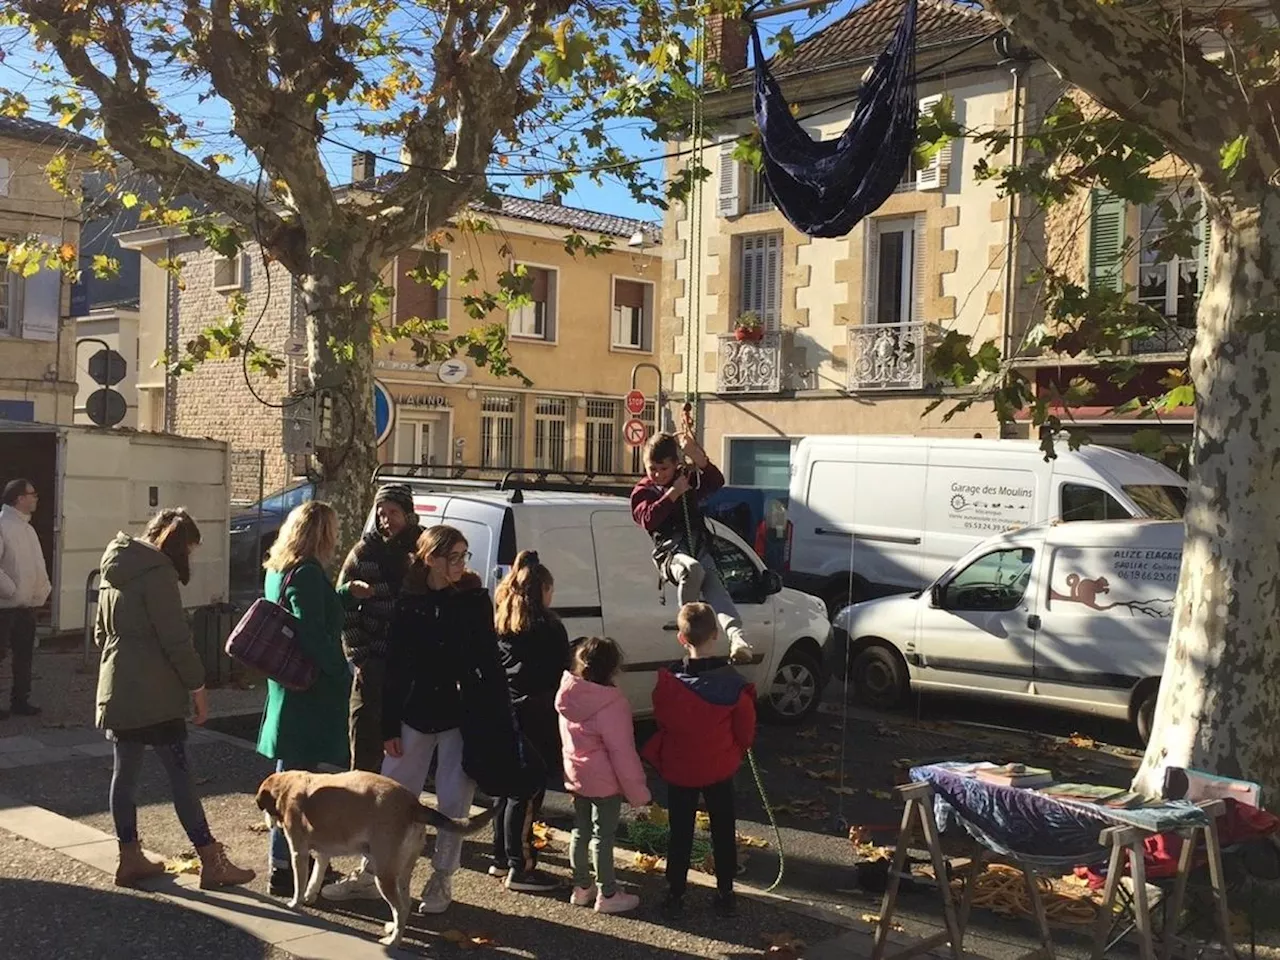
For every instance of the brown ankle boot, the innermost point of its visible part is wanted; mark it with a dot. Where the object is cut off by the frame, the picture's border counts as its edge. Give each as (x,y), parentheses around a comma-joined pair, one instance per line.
(135,866)
(218,871)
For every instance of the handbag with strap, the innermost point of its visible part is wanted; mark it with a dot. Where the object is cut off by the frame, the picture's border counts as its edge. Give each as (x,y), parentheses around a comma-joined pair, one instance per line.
(266,640)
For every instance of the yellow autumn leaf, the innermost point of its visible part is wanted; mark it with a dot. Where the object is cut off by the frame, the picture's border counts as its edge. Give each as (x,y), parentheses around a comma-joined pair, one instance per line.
(182,865)
(648,863)
(702,820)
(67,253)
(746,840)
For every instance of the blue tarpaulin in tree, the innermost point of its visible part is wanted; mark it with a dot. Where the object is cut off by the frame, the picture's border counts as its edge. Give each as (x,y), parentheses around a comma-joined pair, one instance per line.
(825,187)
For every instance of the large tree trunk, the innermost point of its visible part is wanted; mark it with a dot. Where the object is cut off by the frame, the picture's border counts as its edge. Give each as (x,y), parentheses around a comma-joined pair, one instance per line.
(347,461)
(1219,704)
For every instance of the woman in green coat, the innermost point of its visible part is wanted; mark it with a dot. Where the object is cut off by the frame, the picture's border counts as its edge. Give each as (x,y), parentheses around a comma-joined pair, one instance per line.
(302,729)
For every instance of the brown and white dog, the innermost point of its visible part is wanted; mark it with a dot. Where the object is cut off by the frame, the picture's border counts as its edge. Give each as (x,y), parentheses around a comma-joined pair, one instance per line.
(355,813)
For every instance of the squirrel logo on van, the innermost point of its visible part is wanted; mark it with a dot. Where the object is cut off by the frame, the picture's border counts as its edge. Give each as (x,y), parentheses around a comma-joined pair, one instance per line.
(1084,591)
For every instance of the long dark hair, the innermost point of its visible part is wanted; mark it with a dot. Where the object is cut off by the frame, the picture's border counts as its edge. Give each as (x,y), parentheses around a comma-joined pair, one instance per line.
(174,533)
(520,597)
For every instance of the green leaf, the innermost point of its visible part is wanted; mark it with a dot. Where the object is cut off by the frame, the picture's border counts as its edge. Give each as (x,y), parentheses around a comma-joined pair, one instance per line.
(1233,153)
(129,200)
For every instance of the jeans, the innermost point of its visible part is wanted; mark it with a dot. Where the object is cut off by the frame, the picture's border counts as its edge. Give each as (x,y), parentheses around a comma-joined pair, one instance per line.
(124,784)
(697,579)
(682,805)
(595,824)
(18,633)
(279,857)
(454,789)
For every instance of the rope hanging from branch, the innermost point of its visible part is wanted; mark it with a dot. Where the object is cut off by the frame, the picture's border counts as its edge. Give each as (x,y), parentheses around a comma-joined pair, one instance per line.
(825,187)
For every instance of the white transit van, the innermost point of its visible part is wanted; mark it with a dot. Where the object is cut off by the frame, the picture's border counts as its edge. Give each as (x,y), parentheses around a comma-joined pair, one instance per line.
(1070,615)
(606,584)
(876,515)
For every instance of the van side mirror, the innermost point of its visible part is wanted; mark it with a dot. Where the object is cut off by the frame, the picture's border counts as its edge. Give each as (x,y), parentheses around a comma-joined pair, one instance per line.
(935,596)
(770,582)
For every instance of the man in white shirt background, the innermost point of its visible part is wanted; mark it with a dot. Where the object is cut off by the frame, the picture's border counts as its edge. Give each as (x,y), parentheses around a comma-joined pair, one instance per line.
(24,588)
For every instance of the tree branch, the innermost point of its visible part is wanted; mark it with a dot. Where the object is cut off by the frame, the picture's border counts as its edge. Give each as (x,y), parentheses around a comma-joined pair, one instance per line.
(1128,64)
(133,123)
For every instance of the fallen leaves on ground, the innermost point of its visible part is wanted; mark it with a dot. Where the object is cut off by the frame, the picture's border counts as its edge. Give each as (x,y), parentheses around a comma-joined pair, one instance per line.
(702,820)
(874,919)
(809,734)
(843,791)
(746,840)
(820,774)
(882,729)
(468,941)
(881,794)
(782,945)
(259,826)
(648,863)
(1081,741)
(182,865)
(542,835)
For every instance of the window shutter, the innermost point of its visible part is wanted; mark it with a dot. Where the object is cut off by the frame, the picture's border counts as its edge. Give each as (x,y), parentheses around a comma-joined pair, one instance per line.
(628,293)
(415,299)
(871,273)
(42,301)
(4,176)
(540,286)
(1106,240)
(933,176)
(917,270)
(772,264)
(729,187)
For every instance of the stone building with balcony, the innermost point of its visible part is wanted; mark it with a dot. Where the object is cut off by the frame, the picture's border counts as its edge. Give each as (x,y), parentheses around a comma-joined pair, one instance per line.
(848,323)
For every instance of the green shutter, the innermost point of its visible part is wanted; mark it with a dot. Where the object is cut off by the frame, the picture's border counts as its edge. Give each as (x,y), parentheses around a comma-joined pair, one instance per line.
(1106,241)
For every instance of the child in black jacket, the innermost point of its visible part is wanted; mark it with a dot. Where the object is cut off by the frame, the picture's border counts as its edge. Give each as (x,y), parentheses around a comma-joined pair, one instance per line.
(534,649)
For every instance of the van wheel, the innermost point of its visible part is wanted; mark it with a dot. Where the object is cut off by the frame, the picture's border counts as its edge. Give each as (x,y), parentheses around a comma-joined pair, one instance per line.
(878,677)
(795,690)
(840,593)
(1145,716)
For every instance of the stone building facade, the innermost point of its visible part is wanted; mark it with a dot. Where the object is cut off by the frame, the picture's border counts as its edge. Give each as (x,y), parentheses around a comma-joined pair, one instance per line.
(592,321)
(37,346)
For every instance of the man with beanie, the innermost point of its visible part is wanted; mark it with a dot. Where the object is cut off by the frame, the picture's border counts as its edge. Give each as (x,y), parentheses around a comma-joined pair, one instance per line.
(380,560)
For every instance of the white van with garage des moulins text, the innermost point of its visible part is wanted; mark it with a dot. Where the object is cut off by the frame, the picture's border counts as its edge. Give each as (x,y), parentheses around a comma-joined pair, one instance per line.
(1068,615)
(871,516)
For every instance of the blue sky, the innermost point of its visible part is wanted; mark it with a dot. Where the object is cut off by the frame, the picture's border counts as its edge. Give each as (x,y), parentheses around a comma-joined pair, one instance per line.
(24,69)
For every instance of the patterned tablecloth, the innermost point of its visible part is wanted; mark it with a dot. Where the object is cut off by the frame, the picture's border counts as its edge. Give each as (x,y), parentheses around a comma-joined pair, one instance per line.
(1043,831)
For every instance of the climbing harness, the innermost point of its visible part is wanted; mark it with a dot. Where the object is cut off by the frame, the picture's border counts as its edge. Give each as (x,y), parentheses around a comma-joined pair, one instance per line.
(824,187)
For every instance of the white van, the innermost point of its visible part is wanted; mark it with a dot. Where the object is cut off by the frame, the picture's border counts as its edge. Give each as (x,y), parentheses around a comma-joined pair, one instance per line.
(606,584)
(1070,615)
(876,515)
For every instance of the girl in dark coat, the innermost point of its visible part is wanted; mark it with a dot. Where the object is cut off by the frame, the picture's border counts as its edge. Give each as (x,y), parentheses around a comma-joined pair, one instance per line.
(446,695)
(534,648)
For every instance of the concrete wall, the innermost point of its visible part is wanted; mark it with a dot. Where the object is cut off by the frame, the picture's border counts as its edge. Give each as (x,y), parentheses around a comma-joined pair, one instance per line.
(40,373)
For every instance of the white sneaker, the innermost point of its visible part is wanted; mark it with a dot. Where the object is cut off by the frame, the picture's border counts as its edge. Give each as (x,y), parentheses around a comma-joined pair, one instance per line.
(357,885)
(438,894)
(620,902)
(584,896)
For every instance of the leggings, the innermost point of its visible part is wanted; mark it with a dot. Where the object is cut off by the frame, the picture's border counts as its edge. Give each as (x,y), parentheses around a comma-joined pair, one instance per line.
(124,785)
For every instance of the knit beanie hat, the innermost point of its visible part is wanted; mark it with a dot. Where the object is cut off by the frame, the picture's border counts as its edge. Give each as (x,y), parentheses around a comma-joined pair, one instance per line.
(397,493)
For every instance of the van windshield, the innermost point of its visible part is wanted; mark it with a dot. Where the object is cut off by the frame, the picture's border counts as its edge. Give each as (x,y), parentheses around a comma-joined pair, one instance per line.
(1159,502)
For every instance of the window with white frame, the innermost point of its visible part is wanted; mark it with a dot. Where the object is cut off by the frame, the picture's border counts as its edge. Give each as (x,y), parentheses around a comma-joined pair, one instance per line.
(228,272)
(632,314)
(9,282)
(758,199)
(760,292)
(760,462)
(650,418)
(550,431)
(1167,282)
(602,436)
(894,274)
(498,430)
(536,320)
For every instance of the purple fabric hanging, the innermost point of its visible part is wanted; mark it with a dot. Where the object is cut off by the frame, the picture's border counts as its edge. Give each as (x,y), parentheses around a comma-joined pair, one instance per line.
(825,187)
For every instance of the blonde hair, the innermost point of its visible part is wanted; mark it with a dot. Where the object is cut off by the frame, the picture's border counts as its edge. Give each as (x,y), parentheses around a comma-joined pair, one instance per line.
(697,624)
(309,532)
(519,597)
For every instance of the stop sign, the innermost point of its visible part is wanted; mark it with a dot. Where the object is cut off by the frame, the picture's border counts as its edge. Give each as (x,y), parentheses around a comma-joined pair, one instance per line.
(635,403)
(107,367)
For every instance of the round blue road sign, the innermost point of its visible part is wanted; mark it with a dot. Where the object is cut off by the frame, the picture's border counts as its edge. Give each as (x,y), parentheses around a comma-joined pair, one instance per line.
(383,411)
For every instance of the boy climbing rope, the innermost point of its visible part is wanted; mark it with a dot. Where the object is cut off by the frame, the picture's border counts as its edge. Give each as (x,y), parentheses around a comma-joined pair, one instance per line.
(667,503)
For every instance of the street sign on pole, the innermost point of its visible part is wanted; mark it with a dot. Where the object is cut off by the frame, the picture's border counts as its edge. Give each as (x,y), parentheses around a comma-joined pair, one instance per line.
(107,367)
(105,407)
(635,403)
(635,432)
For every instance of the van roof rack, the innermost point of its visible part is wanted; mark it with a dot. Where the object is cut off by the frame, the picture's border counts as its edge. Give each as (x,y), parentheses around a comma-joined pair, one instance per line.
(513,479)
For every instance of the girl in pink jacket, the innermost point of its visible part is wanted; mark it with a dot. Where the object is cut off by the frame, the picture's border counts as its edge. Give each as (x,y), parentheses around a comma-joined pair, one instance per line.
(601,767)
